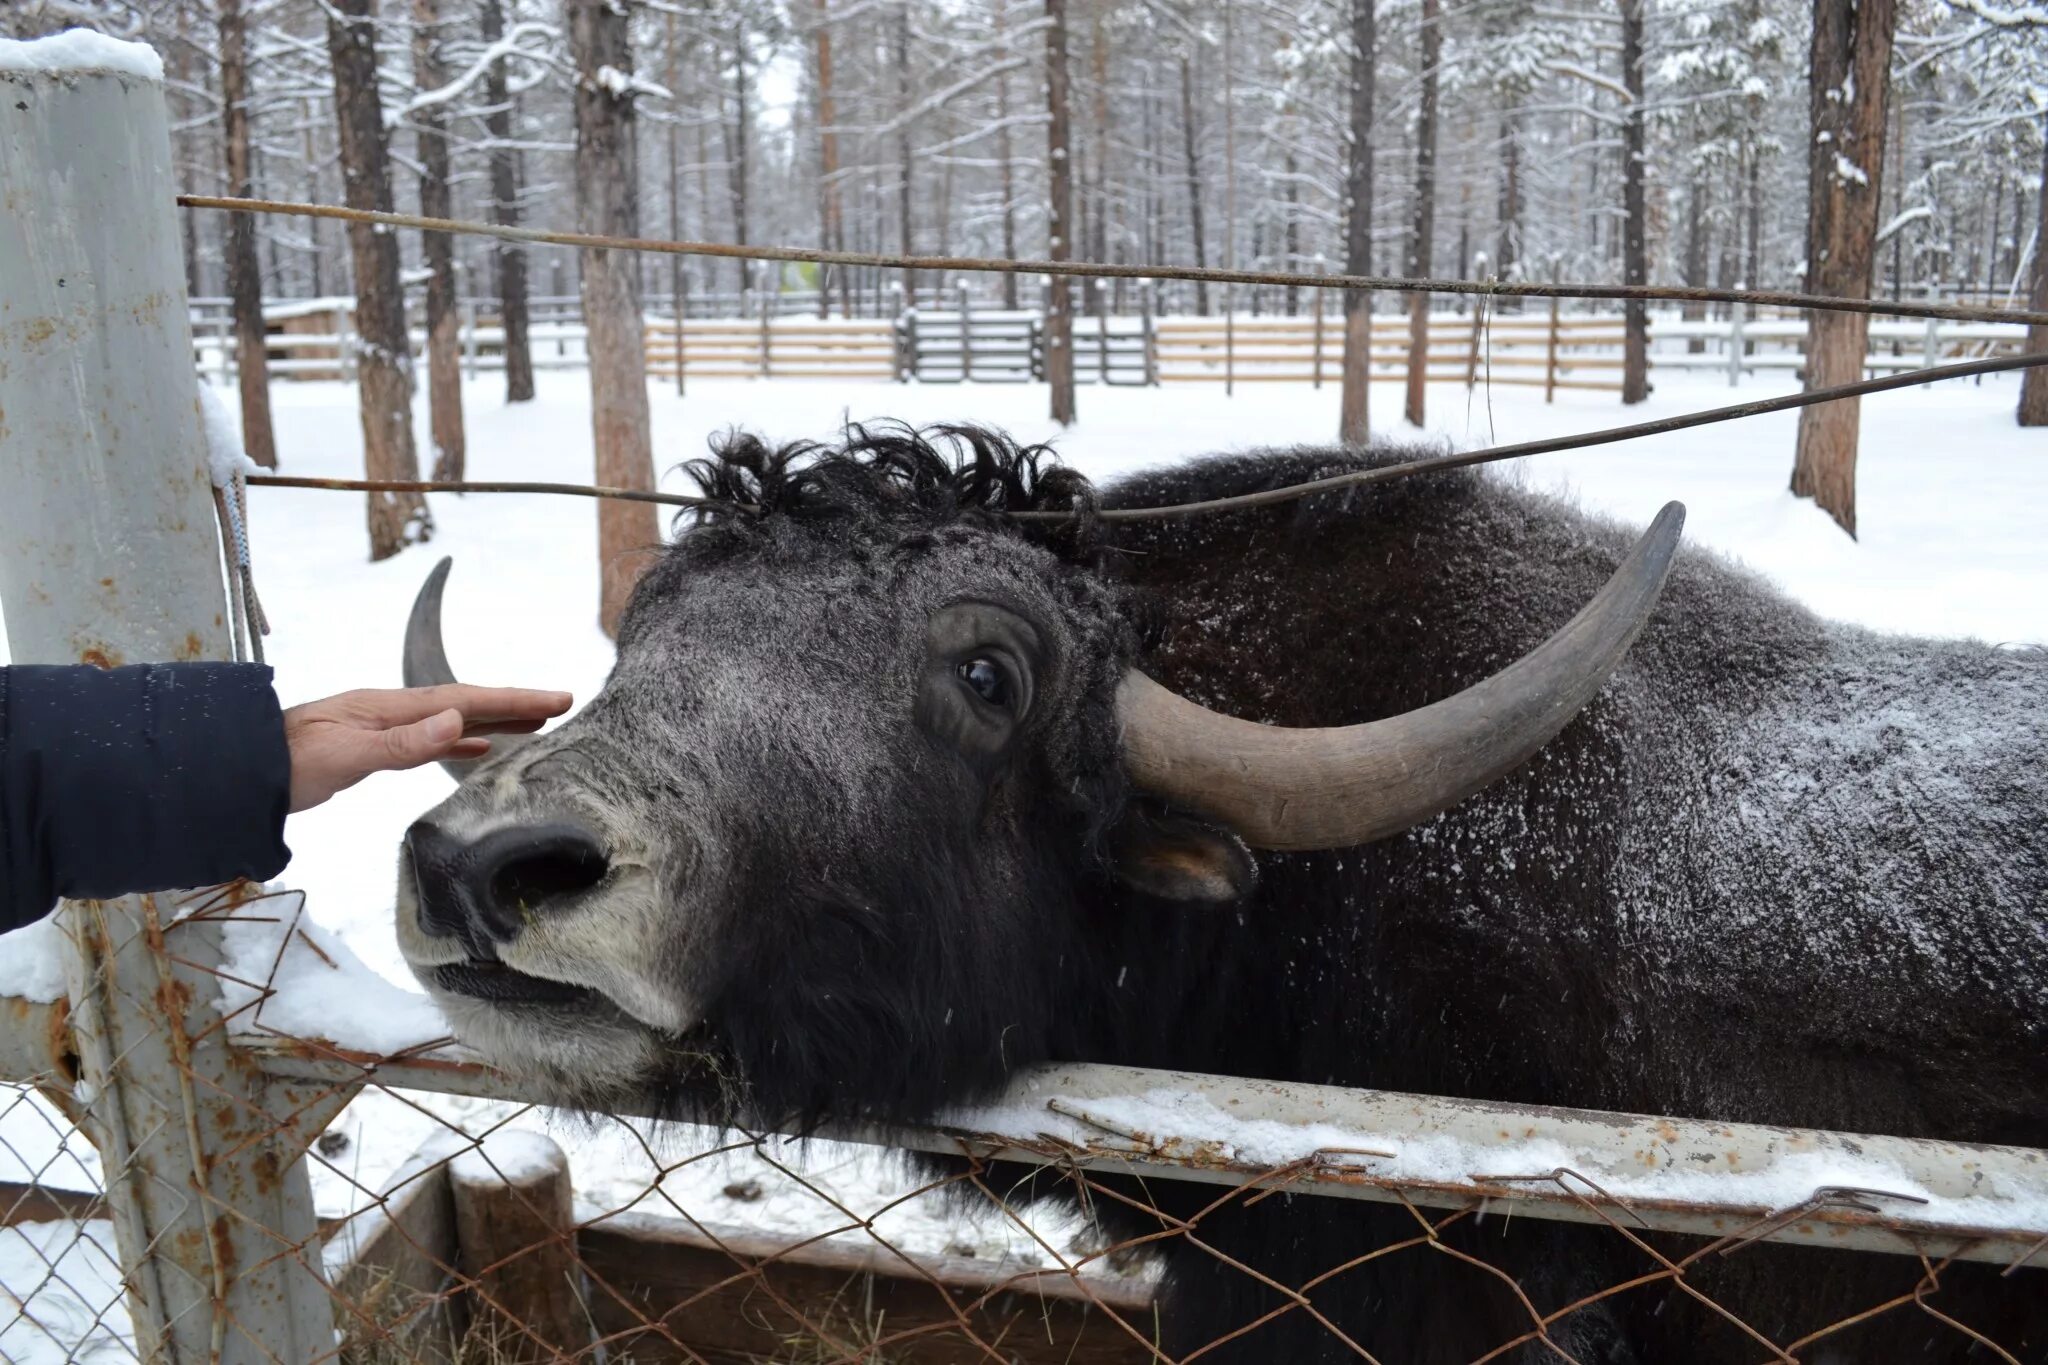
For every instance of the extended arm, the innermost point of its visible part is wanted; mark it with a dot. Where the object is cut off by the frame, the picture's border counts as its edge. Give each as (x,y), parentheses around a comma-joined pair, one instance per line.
(171,775)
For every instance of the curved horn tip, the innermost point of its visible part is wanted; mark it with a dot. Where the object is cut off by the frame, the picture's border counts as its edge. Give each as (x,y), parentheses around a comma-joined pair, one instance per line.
(425,657)
(1669,521)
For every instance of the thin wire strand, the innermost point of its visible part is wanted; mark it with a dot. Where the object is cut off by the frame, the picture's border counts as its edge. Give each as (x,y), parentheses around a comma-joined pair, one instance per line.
(1270,496)
(1654,293)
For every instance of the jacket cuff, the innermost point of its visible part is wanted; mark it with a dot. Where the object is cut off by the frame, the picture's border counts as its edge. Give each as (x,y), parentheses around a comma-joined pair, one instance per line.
(155,776)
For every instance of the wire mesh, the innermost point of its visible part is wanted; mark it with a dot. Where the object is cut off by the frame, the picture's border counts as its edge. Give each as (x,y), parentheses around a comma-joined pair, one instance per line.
(60,1272)
(484,1227)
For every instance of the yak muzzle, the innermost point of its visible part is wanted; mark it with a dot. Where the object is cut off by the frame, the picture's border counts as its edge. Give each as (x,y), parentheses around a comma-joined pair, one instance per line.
(483,892)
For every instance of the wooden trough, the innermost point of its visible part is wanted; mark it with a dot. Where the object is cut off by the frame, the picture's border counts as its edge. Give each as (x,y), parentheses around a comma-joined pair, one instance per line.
(483,1245)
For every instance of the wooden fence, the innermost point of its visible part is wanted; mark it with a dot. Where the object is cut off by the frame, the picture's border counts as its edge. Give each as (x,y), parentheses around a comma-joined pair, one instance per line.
(1541,348)
(1549,352)
(761,348)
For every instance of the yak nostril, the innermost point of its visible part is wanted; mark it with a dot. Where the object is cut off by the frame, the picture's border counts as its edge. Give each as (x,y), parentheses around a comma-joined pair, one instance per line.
(436,860)
(481,893)
(536,867)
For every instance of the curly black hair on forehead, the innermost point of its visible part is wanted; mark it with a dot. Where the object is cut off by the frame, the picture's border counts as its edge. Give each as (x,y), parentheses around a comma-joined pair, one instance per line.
(897,477)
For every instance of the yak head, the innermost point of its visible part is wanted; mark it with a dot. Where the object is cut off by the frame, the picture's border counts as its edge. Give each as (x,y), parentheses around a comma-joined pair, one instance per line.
(875,779)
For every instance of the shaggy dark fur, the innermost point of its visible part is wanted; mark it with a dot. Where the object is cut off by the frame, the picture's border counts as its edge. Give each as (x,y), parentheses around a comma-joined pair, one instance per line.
(1781,871)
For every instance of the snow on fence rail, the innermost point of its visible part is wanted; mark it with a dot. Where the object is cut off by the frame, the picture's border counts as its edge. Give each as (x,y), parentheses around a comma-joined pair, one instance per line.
(222,1139)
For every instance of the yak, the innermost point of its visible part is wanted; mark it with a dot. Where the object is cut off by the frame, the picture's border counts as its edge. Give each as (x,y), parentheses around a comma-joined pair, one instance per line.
(899,785)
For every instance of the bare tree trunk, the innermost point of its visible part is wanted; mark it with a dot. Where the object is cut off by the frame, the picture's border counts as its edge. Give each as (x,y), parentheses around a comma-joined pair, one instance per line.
(1991,237)
(1752,261)
(1508,252)
(627,533)
(739,136)
(1696,255)
(1291,237)
(1006,156)
(444,345)
(384,360)
(1187,132)
(1352,423)
(1098,239)
(829,234)
(2034,384)
(1850,68)
(1635,347)
(1059,318)
(674,148)
(317,249)
(183,81)
(905,233)
(245,272)
(1896,286)
(1422,233)
(1155,165)
(510,256)
(704,229)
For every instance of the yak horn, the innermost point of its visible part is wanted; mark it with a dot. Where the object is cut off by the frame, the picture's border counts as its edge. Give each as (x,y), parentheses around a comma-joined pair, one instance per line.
(1282,788)
(426,662)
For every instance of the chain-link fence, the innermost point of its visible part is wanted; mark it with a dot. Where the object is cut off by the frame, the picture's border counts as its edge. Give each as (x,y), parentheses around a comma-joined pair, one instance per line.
(287,1162)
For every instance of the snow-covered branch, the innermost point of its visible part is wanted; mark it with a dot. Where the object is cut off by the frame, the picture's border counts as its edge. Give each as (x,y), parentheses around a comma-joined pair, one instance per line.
(509,47)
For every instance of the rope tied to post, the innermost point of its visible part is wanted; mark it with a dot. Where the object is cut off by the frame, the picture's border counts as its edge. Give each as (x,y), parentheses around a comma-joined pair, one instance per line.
(228,469)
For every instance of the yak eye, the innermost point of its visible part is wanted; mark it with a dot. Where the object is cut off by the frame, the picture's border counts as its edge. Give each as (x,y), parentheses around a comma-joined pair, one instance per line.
(987,679)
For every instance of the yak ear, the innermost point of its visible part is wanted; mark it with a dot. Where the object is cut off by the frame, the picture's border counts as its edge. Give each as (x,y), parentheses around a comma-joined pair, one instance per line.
(1178,857)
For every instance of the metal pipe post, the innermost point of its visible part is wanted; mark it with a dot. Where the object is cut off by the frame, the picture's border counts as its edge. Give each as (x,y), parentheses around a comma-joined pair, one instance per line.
(109,555)
(107,547)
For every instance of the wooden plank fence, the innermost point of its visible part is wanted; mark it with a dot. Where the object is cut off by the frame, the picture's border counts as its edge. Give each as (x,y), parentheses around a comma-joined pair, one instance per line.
(765,348)
(1538,349)
(1550,352)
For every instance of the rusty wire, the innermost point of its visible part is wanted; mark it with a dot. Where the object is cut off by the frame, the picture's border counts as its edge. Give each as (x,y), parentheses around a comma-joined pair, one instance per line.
(1268,497)
(1496,289)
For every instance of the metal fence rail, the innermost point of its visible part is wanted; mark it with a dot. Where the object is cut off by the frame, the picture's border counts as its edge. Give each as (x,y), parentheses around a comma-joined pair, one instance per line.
(445,1210)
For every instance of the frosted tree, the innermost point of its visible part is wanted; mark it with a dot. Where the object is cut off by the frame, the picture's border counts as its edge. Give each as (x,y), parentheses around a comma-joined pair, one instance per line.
(1422,223)
(1059,328)
(444,345)
(609,203)
(384,353)
(244,269)
(1850,69)
(1723,61)
(1352,420)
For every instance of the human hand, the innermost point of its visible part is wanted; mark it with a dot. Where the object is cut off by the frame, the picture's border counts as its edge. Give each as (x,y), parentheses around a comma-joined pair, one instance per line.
(338,741)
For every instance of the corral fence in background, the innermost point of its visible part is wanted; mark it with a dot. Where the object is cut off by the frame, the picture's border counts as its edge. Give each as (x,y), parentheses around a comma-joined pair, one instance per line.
(225,1141)
(950,336)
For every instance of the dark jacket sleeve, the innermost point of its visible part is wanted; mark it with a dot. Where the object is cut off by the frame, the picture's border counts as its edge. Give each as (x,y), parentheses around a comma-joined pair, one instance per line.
(137,779)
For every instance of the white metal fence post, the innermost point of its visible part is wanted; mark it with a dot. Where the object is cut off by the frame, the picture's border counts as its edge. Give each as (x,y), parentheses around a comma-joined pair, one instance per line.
(345,341)
(108,555)
(1930,341)
(1735,343)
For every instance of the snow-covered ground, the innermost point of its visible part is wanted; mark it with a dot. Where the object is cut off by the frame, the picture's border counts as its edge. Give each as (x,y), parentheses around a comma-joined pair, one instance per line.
(1952,501)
